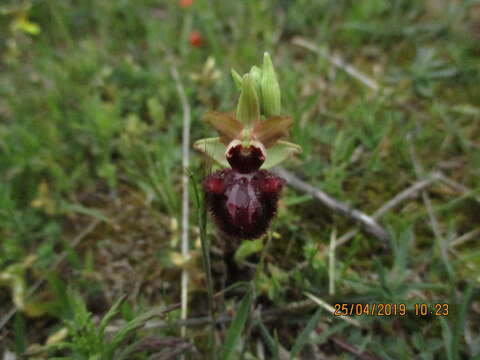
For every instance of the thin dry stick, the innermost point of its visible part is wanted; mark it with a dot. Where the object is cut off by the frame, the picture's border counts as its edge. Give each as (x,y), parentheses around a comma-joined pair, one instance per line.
(331,310)
(338,62)
(457,186)
(331,262)
(74,243)
(402,196)
(367,222)
(405,194)
(185,195)
(434,224)
(264,316)
(392,203)
(360,354)
(465,238)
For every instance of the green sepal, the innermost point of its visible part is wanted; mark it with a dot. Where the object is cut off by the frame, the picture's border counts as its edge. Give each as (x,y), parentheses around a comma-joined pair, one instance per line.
(214,149)
(279,152)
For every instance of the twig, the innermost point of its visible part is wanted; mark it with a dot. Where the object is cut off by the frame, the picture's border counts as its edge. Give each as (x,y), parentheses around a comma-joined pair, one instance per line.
(362,355)
(392,203)
(433,219)
(440,239)
(434,224)
(465,238)
(260,350)
(457,186)
(59,260)
(264,316)
(331,262)
(338,62)
(405,194)
(185,195)
(368,223)
(331,310)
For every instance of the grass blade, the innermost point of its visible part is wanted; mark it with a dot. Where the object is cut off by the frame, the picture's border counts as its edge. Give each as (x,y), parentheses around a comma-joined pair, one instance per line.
(268,339)
(236,327)
(110,314)
(202,224)
(459,329)
(302,339)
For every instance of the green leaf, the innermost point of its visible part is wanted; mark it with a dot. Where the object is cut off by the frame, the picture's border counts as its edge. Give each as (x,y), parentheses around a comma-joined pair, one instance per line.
(268,339)
(128,329)
(447,338)
(15,280)
(78,208)
(236,327)
(110,314)
(248,248)
(279,152)
(303,338)
(214,149)
(22,23)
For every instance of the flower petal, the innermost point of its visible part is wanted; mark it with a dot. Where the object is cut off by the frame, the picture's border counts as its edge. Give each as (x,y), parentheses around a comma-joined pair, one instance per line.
(227,126)
(272,129)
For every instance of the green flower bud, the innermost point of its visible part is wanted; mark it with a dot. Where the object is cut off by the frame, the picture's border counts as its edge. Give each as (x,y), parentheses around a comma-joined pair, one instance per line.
(256,75)
(271,97)
(237,79)
(248,108)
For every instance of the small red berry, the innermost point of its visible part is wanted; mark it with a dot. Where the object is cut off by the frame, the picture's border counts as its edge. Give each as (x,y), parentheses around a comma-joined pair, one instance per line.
(195,39)
(186,3)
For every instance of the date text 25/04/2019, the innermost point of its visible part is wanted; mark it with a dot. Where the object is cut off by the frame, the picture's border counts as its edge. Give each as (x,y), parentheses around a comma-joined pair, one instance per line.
(390,309)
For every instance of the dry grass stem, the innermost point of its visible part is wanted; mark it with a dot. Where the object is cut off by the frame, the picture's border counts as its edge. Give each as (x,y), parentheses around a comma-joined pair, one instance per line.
(366,221)
(331,309)
(409,192)
(185,192)
(338,62)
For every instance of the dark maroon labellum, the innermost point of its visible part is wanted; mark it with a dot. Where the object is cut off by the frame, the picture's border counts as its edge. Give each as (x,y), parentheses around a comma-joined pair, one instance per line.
(242,204)
(245,159)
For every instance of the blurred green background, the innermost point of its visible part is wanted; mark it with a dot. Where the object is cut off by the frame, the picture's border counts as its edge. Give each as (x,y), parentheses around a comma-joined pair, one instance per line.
(90,172)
